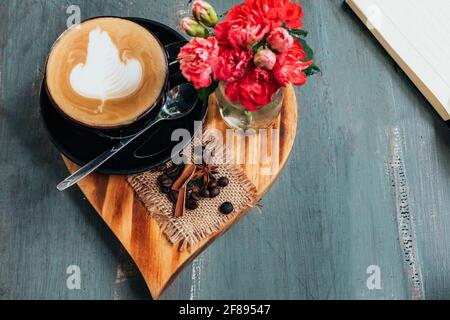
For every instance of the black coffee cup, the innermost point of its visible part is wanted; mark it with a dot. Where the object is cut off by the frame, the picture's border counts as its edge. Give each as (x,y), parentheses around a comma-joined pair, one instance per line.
(126,130)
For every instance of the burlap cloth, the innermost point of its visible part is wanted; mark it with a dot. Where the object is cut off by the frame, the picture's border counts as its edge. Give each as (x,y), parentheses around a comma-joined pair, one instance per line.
(195,225)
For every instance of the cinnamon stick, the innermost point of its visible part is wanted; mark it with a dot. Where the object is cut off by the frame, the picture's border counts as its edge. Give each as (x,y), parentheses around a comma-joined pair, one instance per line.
(180,205)
(185,176)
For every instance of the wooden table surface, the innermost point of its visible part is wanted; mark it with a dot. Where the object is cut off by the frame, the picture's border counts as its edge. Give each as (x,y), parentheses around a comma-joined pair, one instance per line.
(366,186)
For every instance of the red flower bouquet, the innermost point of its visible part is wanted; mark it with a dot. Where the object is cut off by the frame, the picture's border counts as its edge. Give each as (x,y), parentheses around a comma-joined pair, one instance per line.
(258,48)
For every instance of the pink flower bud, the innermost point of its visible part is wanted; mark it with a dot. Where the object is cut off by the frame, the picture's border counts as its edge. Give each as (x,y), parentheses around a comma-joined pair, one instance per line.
(193,28)
(205,13)
(265,59)
(279,39)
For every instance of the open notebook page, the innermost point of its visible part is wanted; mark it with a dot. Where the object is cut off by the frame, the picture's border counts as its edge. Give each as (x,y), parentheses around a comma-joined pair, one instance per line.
(416,33)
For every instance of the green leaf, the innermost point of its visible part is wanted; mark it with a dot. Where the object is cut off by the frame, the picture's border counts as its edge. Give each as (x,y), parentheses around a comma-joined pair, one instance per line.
(300,36)
(295,32)
(298,32)
(258,46)
(309,52)
(312,70)
(204,93)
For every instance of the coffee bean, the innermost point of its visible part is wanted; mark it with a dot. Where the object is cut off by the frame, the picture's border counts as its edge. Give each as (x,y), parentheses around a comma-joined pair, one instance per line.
(223,182)
(164,190)
(191,204)
(226,208)
(212,184)
(165,181)
(214,192)
(196,188)
(173,196)
(195,196)
(191,186)
(173,171)
(205,193)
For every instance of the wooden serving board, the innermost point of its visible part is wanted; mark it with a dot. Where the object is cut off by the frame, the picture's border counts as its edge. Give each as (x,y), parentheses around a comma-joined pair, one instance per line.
(157,259)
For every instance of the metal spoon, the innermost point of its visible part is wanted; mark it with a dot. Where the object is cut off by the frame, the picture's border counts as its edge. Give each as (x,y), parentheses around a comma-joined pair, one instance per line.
(179,101)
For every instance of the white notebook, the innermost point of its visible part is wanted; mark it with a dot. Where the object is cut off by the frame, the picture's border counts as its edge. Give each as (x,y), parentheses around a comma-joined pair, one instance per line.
(416,33)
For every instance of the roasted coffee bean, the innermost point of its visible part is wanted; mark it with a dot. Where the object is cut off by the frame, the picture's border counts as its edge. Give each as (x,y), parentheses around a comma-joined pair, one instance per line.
(223,182)
(214,192)
(191,186)
(191,204)
(212,184)
(164,190)
(205,193)
(173,171)
(226,208)
(195,188)
(173,196)
(165,181)
(195,196)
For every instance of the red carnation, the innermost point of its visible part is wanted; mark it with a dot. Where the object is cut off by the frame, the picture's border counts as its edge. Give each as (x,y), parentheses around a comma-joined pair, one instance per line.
(232,64)
(289,67)
(252,52)
(243,27)
(197,59)
(278,11)
(253,91)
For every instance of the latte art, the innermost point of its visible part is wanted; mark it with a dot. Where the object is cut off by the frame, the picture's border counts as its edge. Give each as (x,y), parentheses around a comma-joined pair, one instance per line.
(105,75)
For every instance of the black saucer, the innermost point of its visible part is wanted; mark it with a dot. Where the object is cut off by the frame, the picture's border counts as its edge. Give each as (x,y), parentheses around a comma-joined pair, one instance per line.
(151,150)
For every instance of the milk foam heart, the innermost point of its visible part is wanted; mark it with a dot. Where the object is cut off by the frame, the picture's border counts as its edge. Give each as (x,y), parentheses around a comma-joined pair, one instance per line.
(105,75)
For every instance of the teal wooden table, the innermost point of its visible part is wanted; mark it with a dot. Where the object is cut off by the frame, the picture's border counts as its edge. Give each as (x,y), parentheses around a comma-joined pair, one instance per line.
(364,196)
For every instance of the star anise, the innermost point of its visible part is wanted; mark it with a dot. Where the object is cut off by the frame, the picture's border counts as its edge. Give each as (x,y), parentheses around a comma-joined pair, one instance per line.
(205,172)
(190,174)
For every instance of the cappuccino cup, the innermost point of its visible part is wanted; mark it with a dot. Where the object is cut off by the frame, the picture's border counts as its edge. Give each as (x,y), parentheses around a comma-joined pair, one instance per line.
(108,75)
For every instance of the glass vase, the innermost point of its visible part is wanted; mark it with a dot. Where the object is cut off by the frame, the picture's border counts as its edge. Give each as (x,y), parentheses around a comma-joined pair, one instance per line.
(237,116)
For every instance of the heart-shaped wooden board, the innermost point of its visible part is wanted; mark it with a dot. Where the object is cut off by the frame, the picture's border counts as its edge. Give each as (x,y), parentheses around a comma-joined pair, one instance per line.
(157,259)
